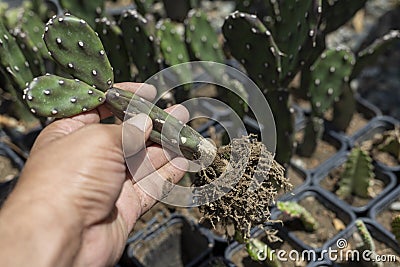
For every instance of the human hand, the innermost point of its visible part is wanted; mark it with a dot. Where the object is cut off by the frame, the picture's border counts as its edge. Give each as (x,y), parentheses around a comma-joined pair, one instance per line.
(75,202)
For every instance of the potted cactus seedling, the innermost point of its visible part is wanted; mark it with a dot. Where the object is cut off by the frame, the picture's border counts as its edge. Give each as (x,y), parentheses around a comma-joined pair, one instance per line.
(311,218)
(292,210)
(75,46)
(363,244)
(356,180)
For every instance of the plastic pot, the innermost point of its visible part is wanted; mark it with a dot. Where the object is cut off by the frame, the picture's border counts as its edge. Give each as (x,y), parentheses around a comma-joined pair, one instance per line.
(177,242)
(382,205)
(331,204)
(237,251)
(375,126)
(332,138)
(306,175)
(376,232)
(388,178)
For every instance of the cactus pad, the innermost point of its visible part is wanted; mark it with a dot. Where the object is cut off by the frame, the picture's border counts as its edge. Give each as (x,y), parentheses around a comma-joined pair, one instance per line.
(30,51)
(173,47)
(32,25)
(202,38)
(89,10)
(254,39)
(71,42)
(12,60)
(111,36)
(328,75)
(54,96)
(140,44)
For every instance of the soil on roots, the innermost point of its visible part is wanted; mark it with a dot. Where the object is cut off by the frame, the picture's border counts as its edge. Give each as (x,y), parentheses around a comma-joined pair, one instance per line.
(245,180)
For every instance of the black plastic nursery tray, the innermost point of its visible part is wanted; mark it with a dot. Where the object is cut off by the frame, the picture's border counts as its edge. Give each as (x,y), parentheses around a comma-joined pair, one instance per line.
(376,126)
(387,179)
(383,212)
(385,246)
(176,242)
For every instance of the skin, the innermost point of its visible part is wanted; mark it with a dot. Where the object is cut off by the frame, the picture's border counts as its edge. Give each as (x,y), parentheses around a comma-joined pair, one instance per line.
(75,202)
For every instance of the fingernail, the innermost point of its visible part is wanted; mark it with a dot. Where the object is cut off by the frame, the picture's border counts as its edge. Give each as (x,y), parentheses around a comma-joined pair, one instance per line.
(140,121)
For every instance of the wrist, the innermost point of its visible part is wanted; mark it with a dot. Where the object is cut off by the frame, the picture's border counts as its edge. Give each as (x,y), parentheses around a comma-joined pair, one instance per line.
(35,233)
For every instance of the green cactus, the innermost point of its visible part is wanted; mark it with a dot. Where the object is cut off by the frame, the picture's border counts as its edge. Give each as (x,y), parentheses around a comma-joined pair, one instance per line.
(295,37)
(358,174)
(254,38)
(89,10)
(396,227)
(54,96)
(204,45)
(265,70)
(390,143)
(144,6)
(32,26)
(30,51)
(367,243)
(140,44)
(173,47)
(335,13)
(202,38)
(71,41)
(344,109)
(284,121)
(312,134)
(111,36)
(370,54)
(296,211)
(328,75)
(12,60)
(259,251)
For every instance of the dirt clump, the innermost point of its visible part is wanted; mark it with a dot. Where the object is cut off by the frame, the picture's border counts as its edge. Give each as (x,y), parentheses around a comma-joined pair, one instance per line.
(246,180)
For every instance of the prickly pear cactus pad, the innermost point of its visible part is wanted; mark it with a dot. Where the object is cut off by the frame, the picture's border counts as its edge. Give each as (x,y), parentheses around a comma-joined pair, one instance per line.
(255,48)
(173,47)
(329,73)
(72,42)
(246,204)
(54,96)
(140,44)
(31,24)
(12,60)
(89,10)
(111,37)
(202,38)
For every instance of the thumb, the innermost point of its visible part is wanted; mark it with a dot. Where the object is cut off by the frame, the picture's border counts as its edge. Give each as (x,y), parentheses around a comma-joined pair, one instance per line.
(135,133)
